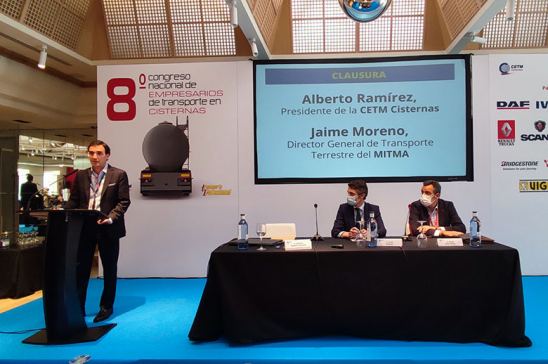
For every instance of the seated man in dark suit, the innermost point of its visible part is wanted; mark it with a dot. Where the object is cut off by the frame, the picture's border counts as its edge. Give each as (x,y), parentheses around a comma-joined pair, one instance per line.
(353,210)
(440,215)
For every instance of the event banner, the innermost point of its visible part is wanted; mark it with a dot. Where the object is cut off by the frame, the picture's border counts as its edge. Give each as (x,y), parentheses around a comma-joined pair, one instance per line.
(519,149)
(390,119)
(162,121)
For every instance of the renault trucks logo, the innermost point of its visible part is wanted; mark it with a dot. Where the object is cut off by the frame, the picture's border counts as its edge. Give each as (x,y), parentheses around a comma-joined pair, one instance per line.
(506,132)
(539,125)
(533,185)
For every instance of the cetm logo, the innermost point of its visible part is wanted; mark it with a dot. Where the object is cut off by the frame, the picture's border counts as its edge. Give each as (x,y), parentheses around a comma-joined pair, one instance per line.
(506,69)
(533,185)
(506,132)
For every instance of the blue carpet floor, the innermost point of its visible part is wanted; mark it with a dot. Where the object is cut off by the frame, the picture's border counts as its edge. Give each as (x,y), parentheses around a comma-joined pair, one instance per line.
(154,317)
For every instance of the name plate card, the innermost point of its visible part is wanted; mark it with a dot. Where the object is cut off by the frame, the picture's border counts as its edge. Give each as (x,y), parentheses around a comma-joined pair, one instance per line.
(299,244)
(450,242)
(390,242)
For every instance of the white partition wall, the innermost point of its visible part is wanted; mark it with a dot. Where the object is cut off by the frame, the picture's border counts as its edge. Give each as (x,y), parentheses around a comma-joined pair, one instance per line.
(173,237)
(518,106)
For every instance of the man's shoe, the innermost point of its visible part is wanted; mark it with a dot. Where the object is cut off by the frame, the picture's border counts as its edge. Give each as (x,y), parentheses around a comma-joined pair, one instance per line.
(104,313)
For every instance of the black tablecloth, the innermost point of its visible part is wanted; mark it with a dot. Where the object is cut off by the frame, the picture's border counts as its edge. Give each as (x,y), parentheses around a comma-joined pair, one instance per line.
(457,294)
(21,270)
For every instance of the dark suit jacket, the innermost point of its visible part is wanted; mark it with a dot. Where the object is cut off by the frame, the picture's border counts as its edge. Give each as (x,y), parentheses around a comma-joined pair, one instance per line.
(28,189)
(114,197)
(447,217)
(345,219)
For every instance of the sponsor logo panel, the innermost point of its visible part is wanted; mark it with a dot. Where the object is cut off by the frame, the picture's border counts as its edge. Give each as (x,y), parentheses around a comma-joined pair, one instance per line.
(506,68)
(539,126)
(533,185)
(519,165)
(506,131)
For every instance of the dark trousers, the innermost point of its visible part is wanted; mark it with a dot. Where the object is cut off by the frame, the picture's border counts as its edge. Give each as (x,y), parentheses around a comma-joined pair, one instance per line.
(109,249)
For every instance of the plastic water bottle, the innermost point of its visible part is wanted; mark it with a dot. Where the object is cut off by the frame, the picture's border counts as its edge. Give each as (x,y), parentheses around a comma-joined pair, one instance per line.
(243,230)
(360,236)
(475,235)
(372,231)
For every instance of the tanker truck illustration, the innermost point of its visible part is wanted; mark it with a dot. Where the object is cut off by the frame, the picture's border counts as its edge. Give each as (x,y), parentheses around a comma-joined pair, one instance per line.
(166,149)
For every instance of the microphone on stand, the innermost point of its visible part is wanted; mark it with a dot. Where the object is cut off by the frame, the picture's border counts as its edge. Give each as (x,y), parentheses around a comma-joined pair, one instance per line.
(407,227)
(317,236)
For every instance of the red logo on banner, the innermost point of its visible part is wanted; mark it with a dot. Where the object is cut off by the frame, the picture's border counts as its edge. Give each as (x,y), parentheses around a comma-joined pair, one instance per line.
(121,106)
(506,132)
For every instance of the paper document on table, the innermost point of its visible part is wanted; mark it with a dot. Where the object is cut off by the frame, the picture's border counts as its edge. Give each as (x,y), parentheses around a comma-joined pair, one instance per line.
(299,244)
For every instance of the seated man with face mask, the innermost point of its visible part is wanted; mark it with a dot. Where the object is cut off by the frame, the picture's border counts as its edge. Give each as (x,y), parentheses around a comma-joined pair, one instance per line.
(350,213)
(440,215)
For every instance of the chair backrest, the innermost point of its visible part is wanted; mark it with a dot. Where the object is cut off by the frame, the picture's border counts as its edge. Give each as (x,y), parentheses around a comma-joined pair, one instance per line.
(285,231)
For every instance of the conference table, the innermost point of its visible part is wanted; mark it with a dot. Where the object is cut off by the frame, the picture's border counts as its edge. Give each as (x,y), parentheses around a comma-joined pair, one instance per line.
(415,292)
(21,270)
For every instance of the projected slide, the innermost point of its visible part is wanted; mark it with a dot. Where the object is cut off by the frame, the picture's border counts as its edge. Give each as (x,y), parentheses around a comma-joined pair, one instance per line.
(395,120)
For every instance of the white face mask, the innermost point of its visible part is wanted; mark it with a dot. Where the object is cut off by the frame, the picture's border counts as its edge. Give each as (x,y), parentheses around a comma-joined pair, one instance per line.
(426,200)
(351,200)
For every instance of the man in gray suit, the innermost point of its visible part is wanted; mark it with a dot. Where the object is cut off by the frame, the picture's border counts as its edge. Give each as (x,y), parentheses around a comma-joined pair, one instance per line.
(104,188)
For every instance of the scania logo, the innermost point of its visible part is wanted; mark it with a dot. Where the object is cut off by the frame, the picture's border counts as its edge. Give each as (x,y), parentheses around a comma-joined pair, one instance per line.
(539,125)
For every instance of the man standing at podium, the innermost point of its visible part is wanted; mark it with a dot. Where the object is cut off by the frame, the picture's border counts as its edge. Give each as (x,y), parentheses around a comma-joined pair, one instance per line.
(104,188)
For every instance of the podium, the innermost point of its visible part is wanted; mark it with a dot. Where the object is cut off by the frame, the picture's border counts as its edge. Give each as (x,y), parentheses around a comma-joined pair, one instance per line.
(64,319)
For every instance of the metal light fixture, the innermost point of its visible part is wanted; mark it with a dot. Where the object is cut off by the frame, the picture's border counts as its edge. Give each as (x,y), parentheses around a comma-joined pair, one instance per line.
(43,57)
(254,49)
(474,38)
(364,10)
(510,10)
(233,12)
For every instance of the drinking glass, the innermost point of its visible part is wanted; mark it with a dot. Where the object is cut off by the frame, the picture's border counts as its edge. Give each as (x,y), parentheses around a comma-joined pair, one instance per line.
(421,236)
(261,231)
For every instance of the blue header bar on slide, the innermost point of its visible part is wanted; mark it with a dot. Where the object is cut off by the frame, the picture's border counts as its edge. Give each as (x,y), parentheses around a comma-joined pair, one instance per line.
(286,76)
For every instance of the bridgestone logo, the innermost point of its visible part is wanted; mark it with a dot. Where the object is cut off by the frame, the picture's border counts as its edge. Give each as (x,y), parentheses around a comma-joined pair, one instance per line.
(519,164)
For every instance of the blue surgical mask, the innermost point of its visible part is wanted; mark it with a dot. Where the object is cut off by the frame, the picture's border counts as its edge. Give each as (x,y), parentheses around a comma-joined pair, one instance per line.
(351,200)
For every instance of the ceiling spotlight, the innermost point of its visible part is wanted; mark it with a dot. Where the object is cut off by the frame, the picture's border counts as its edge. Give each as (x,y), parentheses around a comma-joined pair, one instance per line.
(254,49)
(510,10)
(30,140)
(43,57)
(364,10)
(233,12)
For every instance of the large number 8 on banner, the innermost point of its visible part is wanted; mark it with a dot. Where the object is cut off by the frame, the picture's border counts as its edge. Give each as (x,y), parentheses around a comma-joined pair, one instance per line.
(117,99)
